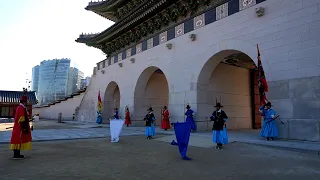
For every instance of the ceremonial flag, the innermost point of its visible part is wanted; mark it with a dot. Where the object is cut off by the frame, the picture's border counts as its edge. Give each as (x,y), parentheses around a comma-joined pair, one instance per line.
(115,129)
(99,118)
(182,131)
(99,102)
(262,82)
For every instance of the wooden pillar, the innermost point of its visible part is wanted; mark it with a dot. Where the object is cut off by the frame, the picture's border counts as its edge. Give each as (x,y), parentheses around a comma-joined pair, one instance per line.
(255,100)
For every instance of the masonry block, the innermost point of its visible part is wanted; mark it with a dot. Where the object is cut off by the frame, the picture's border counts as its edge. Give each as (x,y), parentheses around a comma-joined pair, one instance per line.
(283,129)
(304,129)
(203,126)
(278,89)
(302,88)
(306,108)
(317,87)
(283,107)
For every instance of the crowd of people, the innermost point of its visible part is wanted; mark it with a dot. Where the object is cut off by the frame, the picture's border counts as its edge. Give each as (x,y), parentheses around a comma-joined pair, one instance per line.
(21,133)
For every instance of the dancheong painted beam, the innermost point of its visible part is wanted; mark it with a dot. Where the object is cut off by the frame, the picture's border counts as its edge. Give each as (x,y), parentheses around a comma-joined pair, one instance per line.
(151,18)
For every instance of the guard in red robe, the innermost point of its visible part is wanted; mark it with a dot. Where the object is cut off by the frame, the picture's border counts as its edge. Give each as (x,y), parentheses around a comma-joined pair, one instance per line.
(128,121)
(165,123)
(21,133)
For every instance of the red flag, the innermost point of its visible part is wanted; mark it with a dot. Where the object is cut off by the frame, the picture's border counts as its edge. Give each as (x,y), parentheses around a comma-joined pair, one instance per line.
(262,82)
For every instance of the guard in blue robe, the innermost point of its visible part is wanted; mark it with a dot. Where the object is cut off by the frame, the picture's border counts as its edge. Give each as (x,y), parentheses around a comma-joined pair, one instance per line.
(190,113)
(150,118)
(219,134)
(182,131)
(116,114)
(269,129)
(99,118)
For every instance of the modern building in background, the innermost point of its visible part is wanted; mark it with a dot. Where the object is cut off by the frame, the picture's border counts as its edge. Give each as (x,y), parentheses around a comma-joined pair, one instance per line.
(80,76)
(84,82)
(35,78)
(53,80)
(74,80)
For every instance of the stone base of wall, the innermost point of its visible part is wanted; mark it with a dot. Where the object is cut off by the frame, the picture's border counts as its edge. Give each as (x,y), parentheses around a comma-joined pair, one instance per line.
(297,101)
(299,129)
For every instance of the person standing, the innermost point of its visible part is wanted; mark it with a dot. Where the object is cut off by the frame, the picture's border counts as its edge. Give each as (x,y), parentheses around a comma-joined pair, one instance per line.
(116,114)
(219,134)
(165,123)
(21,133)
(128,120)
(190,113)
(115,126)
(269,129)
(150,118)
(99,118)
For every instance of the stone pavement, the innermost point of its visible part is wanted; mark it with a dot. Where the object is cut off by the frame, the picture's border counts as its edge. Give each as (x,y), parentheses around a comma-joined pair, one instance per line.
(136,158)
(85,130)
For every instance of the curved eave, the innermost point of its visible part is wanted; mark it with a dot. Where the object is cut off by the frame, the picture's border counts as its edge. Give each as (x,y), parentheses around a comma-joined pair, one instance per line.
(86,40)
(106,8)
(108,15)
(100,5)
(114,29)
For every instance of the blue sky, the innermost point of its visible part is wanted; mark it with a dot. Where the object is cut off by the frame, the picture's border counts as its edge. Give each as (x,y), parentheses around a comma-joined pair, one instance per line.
(36,30)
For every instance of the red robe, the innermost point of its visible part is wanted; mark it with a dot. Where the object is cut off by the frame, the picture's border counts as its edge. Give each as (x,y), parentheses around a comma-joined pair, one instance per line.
(20,140)
(165,123)
(128,121)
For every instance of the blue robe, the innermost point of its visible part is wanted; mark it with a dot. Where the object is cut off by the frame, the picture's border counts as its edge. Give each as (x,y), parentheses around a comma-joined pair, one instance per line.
(116,115)
(190,120)
(99,118)
(269,128)
(150,130)
(219,136)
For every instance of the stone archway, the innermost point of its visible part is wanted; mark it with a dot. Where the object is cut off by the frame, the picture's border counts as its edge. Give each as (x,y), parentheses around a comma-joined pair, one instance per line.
(111,100)
(229,77)
(151,89)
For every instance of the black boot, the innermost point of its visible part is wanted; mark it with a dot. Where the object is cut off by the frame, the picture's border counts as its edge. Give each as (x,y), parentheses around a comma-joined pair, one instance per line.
(219,146)
(17,155)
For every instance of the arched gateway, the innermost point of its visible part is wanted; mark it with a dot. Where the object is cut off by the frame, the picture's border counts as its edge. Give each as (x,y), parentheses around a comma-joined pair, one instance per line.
(151,89)
(111,100)
(229,77)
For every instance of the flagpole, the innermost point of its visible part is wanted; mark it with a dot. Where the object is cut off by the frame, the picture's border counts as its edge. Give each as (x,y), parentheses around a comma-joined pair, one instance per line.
(262,82)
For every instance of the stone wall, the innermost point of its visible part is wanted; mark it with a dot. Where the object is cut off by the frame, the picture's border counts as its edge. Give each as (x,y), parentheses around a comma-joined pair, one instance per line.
(297,101)
(87,110)
(67,108)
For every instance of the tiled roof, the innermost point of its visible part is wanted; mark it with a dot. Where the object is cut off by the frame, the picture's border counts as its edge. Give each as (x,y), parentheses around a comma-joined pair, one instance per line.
(14,96)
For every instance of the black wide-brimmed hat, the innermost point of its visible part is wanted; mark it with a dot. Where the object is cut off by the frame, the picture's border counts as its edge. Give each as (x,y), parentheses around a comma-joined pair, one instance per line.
(188,107)
(268,104)
(218,105)
(150,109)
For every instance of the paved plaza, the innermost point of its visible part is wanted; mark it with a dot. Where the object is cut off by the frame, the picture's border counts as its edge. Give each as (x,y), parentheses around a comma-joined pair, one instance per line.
(137,158)
(47,130)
